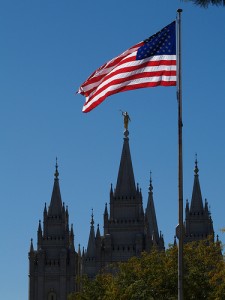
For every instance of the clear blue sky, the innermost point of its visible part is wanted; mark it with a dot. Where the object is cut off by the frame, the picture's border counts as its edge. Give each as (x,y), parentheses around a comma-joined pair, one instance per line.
(48,48)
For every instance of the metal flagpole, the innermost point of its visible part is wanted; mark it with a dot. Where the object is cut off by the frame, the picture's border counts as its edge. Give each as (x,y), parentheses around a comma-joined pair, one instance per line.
(180,231)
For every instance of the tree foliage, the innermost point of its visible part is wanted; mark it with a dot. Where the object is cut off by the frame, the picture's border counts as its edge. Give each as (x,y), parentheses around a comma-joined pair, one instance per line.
(206,3)
(154,276)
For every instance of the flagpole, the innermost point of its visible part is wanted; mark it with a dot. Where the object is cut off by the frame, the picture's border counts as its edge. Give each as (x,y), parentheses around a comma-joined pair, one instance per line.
(180,232)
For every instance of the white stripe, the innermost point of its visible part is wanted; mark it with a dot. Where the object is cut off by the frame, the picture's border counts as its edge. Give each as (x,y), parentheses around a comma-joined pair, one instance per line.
(133,64)
(130,73)
(124,75)
(127,83)
(106,69)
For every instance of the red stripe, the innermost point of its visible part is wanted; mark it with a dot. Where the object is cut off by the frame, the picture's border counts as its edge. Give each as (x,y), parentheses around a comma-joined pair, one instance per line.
(141,74)
(93,78)
(115,61)
(128,88)
(115,68)
(127,69)
(138,67)
(130,78)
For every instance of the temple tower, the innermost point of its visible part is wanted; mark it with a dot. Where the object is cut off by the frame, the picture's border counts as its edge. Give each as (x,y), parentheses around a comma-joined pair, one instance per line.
(128,231)
(53,266)
(153,236)
(198,221)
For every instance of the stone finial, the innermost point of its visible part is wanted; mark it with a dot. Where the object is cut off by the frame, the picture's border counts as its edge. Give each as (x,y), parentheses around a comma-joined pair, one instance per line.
(56,169)
(31,245)
(150,185)
(92,218)
(196,165)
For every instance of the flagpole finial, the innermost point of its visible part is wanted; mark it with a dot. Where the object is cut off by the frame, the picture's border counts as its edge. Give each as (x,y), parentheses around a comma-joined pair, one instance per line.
(179,10)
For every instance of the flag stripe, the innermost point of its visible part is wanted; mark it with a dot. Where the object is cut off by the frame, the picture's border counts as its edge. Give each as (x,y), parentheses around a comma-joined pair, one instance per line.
(90,105)
(126,77)
(131,61)
(128,85)
(164,62)
(149,63)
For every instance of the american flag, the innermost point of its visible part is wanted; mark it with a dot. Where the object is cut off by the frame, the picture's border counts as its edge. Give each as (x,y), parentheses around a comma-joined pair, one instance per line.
(149,63)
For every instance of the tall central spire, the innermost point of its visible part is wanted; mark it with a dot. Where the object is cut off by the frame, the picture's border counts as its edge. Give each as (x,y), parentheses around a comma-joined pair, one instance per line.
(125,181)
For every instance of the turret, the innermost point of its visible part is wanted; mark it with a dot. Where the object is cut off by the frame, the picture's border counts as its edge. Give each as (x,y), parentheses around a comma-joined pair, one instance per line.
(55,207)
(106,219)
(72,238)
(31,246)
(91,242)
(39,235)
(111,192)
(198,222)
(98,242)
(55,260)
(196,200)
(151,221)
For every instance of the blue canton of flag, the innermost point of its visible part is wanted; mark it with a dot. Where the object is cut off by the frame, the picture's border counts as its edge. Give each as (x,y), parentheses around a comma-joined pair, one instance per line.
(161,43)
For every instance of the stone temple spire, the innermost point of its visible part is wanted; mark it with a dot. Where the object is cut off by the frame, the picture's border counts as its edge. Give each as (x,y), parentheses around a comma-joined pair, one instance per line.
(198,222)
(125,181)
(151,222)
(196,200)
(91,241)
(55,260)
(126,230)
(55,207)
(150,212)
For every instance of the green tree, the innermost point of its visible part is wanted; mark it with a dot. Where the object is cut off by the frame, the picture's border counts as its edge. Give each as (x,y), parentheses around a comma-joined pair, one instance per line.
(202,262)
(154,276)
(101,288)
(206,3)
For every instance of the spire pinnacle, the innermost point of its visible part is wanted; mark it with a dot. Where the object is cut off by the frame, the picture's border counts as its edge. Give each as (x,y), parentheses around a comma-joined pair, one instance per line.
(150,185)
(196,165)
(106,209)
(98,235)
(111,189)
(31,245)
(151,214)
(92,218)
(55,207)
(39,226)
(125,181)
(91,240)
(71,230)
(196,200)
(56,169)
